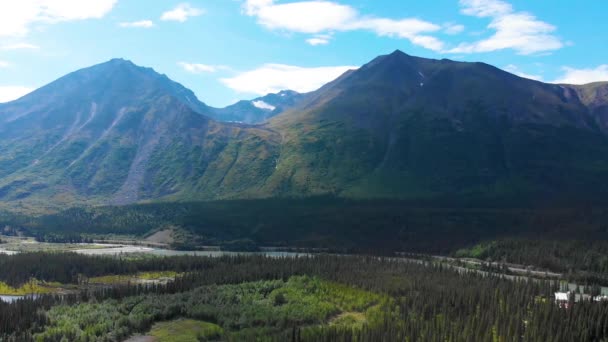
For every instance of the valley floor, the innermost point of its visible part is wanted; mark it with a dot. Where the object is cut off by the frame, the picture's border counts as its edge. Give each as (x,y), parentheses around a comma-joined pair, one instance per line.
(306,298)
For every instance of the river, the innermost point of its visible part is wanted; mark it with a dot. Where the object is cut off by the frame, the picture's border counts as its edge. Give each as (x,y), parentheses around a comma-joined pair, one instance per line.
(10,299)
(4,251)
(125,249)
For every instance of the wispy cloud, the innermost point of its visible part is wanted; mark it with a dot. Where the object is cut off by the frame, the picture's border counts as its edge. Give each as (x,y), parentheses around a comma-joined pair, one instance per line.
(4,64)
(321,39)
(19,46)
(182,13)
(519,31)
(138,24)
(198,68)
(17,17)
(322,17)
(452,29)
(272,78)
(583,76)
(10,93)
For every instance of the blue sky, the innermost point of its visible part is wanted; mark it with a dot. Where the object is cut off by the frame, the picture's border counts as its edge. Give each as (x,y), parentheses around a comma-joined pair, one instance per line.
(225,50)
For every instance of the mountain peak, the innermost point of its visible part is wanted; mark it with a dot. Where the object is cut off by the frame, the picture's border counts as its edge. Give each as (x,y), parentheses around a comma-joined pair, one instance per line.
(122,63)
(119,61)
(398,53)
(116,80)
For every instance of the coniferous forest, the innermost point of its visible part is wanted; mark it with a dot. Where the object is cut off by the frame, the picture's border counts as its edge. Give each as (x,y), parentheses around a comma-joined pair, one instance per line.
(309,298)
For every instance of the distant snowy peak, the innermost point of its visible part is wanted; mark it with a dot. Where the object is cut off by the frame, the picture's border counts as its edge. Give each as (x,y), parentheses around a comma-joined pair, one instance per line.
(257,110)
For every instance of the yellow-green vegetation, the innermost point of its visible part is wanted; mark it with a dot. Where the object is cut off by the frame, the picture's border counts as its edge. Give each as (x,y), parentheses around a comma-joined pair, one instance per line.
(245,311)
(350,319)
(185,330)
(157,275)
(134,278)
(478,251)
(111,279)
(31,287)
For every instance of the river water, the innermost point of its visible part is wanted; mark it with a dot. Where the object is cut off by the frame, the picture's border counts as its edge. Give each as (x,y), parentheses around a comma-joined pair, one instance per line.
(4,251)
(125,249)
(10,299)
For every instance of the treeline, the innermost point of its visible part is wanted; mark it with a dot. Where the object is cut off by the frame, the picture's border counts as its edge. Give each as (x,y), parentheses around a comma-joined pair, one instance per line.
(427,303)
(326,222)
(574,258)
(71,268)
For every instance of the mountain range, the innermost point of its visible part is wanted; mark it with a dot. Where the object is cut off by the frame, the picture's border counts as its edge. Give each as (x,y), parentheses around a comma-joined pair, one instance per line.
(398,127)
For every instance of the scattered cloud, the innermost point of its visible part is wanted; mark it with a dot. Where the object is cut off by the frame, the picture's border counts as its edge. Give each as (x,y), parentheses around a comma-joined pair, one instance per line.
(515,70)
(485,8)
(272,78)
(317,41)
(583,76)
(321,39)
(302,16)
(9,93)
(197,68)
(138,24)
(320,17)
(19,46)
(181,13)
(519,31)
(452,29)
(4,64)
(17,17)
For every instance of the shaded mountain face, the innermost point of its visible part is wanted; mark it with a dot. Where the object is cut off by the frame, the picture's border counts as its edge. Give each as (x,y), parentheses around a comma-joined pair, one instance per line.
(257,110)
(118,133)
(413,127)
(595,97)
(400,126)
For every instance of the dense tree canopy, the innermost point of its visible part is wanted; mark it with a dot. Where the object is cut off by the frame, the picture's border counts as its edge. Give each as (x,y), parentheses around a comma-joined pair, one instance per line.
(400,301)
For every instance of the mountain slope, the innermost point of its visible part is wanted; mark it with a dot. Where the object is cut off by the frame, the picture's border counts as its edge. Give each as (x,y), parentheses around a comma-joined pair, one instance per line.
(257,110)
(400,126)
(413,127)
(119,133)
(595,97)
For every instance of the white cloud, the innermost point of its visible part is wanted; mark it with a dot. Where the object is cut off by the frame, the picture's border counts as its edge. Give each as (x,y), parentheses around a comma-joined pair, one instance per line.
(16,17)
(320,16)
(9,93)
(197,68)
(4,64)
(452,29)
(20,46)
(181,13)
(317,41)
(519,31)
(263,105)
(405,28)
(272,78)
(138,24)
(515,70)
(304,16)
(583,76)
(321,39)
(485,8)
